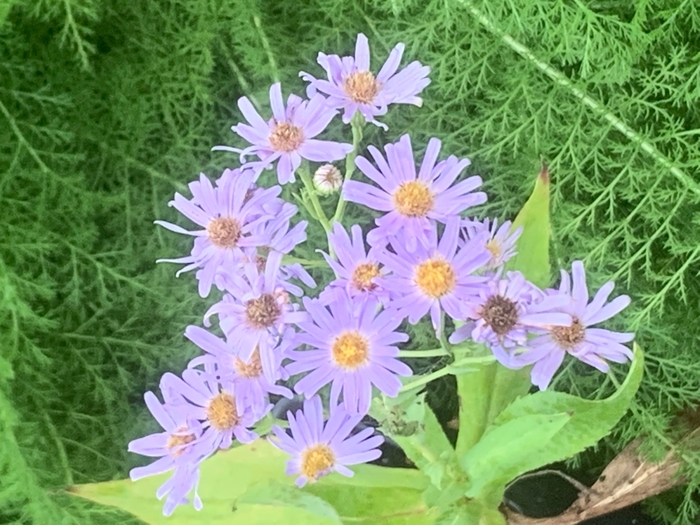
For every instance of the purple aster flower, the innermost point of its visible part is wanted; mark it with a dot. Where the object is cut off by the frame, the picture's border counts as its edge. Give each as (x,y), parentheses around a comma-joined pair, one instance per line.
(183,481)
(356,270)
(289,135)
(435,276)
(505,311)
(500,241)
(353,87)
(256,312)
(248,373)
(227,219)
(317,449)
(413,202)
(218,405)
(352,347)
(591,345)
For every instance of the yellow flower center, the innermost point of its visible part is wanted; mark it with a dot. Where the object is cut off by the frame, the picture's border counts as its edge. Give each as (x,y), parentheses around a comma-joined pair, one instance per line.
(224,232)
(178,441)
(413,199)
(221,412)
(494,247)
(316,461)
(363,274)
(262,311)
(286,137)
(500,314)
(350,350)
(435,277)
(569,336)
(252,369)
(361,87)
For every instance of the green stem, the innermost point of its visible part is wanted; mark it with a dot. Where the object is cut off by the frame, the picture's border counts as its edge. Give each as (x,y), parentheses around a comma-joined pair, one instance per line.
(435,352)
(357,124)
(453,368)
(561,79)
(305,177)
(474,392)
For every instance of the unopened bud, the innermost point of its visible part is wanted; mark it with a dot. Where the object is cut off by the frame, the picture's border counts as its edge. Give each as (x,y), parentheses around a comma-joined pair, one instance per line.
(328,179)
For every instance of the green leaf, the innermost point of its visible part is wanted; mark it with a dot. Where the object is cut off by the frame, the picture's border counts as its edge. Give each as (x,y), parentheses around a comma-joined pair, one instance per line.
(5,8)
(586,423)
(503,450)
(268,494)
(227,477)
(413,425)
(532,258)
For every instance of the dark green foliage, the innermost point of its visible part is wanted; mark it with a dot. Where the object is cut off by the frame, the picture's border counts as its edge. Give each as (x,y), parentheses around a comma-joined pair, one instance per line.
(107,108)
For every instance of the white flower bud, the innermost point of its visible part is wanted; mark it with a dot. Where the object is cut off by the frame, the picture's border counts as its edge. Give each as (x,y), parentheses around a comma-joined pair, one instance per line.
(328,179)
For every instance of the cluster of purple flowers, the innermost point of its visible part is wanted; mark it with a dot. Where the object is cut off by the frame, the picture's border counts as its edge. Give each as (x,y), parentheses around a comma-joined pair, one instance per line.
(421,259)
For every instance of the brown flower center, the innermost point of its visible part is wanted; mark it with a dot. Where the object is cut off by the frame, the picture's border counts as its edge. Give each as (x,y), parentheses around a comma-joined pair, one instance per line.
(361,87)
(262,311)
(221,412)
(286,137)
(568,337)
(252,369)
(500,313)
(350,350)
(176,442)
(435,277)
(363,274)
(224,232)
(316,460)
(413,199)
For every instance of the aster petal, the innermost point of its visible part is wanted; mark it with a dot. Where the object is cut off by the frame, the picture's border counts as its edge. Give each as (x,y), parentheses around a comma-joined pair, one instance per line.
(277,102)
(362,53)
(614,307)
(544,369)
(251,114)
(391,64)
(362,457)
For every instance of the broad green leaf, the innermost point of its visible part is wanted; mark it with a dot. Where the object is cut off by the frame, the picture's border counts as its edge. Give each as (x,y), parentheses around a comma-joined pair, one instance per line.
(588,423)
(268,494)
(226,477)
(500,454)
(488,390)
(469,512)
(413,425)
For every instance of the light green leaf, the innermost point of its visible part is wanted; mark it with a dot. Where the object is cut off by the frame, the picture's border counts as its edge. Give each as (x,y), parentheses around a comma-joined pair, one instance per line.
(413,425)
(268,494)
(227,476)
(5,8)
(589,422)
(503,450)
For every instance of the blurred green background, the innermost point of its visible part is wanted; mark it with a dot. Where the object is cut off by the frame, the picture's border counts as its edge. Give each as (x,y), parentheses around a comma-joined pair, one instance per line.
(107,108)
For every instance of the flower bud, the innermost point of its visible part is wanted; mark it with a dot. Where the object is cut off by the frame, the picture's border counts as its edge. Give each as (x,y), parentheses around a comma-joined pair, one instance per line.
(328,179)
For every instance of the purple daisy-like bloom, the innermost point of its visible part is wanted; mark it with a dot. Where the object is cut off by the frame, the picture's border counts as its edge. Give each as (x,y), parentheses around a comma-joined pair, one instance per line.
(353,87)
(289,135)
(591,345)
(317,449)
(356,270)
(247,373)
(256,312)
(352,347)
(218,405)
(413,202)
(500,242)
(505,311)
(435,276)
(227,219)
(183,481)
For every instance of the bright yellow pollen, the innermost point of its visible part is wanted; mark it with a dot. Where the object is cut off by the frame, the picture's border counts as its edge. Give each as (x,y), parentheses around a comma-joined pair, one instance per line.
(350,350)
(363,274)
(413,199)
(286,137)
(224,232)
(495,248)
(222,413)
(361,87)
(316,461)
(435,277)
(178,441)
(252,369)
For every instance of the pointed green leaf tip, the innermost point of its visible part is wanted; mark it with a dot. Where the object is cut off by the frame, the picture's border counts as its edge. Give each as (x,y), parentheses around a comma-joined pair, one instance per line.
(575,424)
(247,485)
(533,262)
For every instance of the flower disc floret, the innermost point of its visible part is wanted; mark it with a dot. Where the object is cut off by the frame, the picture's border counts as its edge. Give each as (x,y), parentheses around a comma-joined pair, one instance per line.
(221,412)
(413,199)
(363,274)
(500,314)
(224,232)
(436,277)
(286,137)
(263,311)
(361,86)
(317,461)
(350,350)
